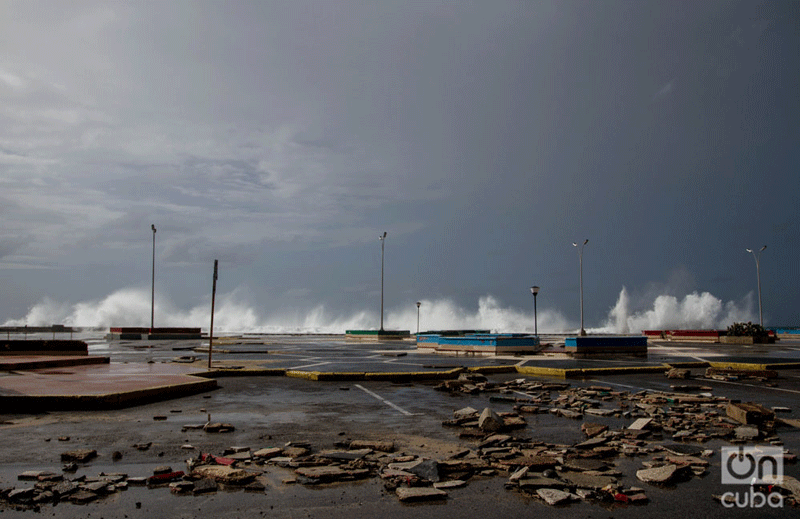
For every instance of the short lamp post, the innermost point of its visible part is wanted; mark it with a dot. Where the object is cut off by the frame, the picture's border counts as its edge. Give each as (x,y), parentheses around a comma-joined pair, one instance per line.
(535,292)
(758,279)
(418,305)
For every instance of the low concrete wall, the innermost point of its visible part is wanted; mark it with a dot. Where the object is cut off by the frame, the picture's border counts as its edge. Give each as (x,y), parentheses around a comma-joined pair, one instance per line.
(592,345)
(39,347)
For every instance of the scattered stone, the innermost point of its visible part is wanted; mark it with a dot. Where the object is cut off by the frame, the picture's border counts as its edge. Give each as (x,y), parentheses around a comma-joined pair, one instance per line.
(163,469)
(80,456)
(657,475)
(159,418)
(380,445)
(749,413)
(552,496)
(582,480)
(409,494)
(268,453)
(747,433)
(676,373)
(593,429)
(224,474)
(455,483)
(489,421)
(218,427)
(116,456)
(82,497)
(204,486)
(640,424)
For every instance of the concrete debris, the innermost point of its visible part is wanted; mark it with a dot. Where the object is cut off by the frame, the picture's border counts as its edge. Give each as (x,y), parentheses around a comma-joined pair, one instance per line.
(749,413)
(489,421)
(676,373)
(658,475)
(552,496)
(80,456)
(410,494)
(217,427)
(593,429)
(640,424)
(747,433)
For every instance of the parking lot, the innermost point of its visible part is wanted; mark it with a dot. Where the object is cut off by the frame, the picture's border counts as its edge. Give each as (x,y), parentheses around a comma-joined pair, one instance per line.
(269,411)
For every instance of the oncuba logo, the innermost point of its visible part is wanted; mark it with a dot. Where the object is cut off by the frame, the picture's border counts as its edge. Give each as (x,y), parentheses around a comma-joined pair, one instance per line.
(752,466)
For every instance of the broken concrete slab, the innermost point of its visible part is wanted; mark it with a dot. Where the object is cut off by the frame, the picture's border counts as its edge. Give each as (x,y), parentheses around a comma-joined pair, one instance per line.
(747,433)
(410,494)
(377,445)
(657,475)
(582,480)
(268,453)
(749,413)
(535,482)
(552,496)
(639,424)
(489,421)
(80,455)
(593,429)
(454,483)
(223,474)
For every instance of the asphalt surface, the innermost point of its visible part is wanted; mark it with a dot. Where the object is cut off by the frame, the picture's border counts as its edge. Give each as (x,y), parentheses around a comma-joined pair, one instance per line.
(271,411)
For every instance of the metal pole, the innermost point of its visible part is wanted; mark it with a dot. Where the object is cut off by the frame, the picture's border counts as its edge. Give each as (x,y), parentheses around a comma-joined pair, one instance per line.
(580,261)
(535,318)
(153,284)
(418,305)
(211,329)
(383,240)
(758,278)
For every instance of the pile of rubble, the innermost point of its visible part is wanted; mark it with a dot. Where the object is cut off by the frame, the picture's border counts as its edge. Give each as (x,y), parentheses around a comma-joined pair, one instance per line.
(559,473)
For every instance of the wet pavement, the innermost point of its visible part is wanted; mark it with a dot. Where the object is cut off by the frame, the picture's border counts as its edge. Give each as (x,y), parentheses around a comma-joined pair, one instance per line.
(271,411)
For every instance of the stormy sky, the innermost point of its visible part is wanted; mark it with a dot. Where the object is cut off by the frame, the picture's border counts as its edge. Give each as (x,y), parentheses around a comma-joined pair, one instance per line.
(283,138)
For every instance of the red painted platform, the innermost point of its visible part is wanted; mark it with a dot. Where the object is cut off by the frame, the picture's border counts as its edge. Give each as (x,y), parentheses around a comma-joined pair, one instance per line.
(68,386)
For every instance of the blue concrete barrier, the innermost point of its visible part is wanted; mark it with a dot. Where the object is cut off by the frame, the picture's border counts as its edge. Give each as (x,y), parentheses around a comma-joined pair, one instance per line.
(593,345)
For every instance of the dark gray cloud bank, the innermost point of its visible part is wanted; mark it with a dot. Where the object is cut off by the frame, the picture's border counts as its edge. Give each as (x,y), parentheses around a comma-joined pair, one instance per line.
(283,137)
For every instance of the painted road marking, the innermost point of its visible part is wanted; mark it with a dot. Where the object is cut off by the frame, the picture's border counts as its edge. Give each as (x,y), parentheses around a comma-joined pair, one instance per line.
(607,383)
(751,385)
(310,365)
(390,404)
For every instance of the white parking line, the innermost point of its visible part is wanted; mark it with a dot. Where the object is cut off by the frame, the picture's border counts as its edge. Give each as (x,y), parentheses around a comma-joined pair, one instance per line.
(310,365)
(752,385)
(606,382)
(390,404)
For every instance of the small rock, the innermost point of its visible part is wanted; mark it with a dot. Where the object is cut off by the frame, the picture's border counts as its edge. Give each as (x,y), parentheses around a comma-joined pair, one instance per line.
(658,475)
(408,494)
(552,496)
(80,456)
(489,421)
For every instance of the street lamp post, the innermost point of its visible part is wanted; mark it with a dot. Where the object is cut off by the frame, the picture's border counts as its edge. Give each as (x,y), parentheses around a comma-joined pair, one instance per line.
(758,278)
(418,305)
(580,260)
(153,285)
(382,238)
(535,292)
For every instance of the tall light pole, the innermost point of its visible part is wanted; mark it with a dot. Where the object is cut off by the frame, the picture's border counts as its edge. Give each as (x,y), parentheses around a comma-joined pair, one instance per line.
(153,285)
(580,260)
(418,305)
(535,292)
(758,277)
(382,238)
